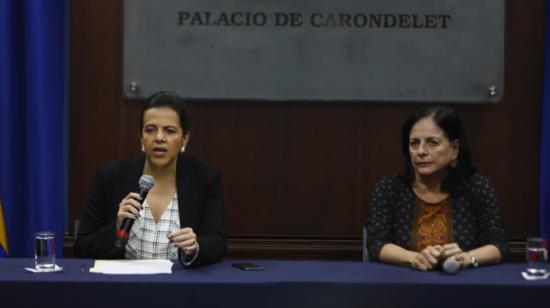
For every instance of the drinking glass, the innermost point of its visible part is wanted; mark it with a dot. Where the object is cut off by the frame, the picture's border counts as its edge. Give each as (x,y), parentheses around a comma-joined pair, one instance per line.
(44,250)
(537,256)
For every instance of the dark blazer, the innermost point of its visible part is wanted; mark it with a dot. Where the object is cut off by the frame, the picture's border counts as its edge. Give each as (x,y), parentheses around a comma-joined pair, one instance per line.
(200,201)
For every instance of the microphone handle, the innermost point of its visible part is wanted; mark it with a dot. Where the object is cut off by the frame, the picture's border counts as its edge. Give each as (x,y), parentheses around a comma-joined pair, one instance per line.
(127,223)
(122,234)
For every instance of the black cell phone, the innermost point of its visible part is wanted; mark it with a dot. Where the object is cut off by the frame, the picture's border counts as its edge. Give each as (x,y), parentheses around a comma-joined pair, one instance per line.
(247,266)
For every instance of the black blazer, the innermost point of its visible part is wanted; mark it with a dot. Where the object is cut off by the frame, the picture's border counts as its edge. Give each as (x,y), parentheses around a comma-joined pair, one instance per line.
(200,201)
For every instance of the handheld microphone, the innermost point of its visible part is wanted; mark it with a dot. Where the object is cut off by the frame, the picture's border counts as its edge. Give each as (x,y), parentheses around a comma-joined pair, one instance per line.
(146,182)
(451,266)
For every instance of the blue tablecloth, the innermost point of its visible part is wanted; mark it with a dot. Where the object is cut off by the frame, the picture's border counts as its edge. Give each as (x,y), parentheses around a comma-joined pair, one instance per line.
(281,284)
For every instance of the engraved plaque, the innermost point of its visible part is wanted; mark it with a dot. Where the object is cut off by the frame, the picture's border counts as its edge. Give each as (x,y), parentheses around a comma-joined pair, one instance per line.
(316,50)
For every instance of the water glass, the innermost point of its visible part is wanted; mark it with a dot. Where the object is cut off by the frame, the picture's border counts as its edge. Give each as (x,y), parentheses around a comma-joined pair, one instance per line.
(537,256)
(44,250)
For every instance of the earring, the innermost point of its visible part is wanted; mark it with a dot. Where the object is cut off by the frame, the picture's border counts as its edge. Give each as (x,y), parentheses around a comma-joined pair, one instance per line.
(142,148)
(183,149)
(454,163)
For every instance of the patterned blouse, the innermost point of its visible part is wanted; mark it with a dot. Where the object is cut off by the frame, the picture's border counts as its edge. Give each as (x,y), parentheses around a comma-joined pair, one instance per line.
(149,239)
(432,224)
(475,216)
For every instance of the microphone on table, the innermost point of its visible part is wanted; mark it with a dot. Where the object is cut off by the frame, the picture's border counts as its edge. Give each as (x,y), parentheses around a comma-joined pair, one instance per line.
(146,182)
(451,266)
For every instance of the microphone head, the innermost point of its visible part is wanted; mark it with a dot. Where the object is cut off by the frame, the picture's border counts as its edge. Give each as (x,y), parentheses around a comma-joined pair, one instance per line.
(451,266)
(146,182)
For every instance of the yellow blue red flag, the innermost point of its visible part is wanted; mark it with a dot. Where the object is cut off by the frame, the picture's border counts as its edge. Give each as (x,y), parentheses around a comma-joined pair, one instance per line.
(3,234)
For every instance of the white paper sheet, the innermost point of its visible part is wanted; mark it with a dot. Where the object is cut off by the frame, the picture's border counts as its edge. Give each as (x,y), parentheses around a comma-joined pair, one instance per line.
(125,267)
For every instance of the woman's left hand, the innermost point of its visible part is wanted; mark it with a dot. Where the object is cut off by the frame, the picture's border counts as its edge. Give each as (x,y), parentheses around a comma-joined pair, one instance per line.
(462,257)
(185,239)
(451,250)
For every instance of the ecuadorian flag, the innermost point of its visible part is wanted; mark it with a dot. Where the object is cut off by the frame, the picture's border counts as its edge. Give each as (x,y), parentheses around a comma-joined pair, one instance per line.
(3,234)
